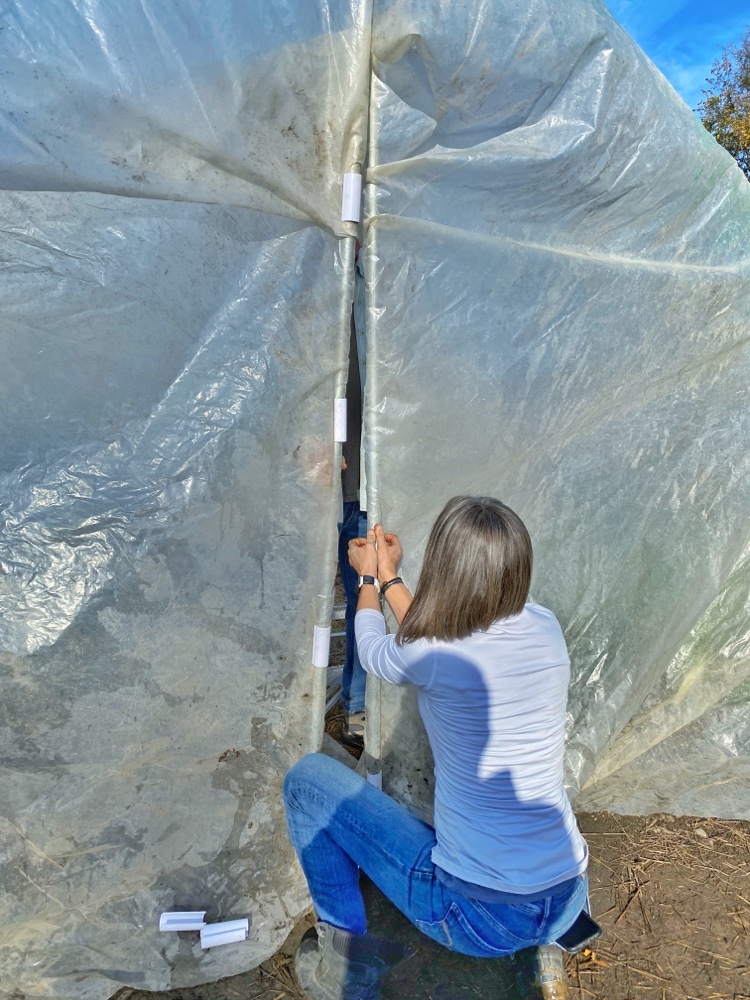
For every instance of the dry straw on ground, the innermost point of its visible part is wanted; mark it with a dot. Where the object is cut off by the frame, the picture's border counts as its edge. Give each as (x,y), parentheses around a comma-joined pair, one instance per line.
(673,896)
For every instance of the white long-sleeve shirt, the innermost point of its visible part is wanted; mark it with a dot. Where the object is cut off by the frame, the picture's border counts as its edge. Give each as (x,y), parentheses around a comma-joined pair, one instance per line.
(493,705)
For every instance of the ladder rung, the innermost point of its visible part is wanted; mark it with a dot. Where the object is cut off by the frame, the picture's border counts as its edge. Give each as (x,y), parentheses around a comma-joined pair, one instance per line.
(336,696)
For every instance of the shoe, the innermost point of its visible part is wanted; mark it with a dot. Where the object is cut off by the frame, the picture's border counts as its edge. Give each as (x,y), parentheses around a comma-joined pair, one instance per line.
(353,731)
(550,975)
(332,964)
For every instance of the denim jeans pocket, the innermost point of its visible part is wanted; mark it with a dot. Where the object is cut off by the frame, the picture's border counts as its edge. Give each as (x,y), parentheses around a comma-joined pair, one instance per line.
(516,925)
(469,934)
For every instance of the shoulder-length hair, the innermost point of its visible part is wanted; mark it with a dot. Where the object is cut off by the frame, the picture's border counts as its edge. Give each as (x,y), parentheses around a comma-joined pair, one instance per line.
(476,569)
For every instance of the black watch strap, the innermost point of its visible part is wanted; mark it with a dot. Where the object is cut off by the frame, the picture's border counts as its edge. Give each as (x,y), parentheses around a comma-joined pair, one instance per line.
(368,579)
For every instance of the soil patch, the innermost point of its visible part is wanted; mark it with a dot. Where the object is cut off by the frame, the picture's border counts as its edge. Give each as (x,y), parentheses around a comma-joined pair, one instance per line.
(673,897)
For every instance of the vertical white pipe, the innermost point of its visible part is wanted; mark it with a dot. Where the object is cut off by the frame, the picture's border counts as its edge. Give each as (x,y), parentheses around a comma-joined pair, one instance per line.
(373,731)
(353,155)
(327,571)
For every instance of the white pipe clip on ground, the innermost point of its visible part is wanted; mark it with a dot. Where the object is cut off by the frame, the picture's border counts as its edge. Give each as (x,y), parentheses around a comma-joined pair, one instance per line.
(187,920)
(228,932)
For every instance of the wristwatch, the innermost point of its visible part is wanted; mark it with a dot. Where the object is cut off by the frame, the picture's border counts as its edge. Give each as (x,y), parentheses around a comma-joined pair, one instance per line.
(369,579)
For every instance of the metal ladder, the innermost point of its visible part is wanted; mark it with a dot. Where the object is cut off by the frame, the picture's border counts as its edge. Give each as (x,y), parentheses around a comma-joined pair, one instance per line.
(333,687)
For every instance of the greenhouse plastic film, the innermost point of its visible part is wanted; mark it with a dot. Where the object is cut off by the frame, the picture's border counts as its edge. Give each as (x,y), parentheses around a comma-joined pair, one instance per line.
(176,289)
(559,292)
(230,103)
(689,743)
(166,577)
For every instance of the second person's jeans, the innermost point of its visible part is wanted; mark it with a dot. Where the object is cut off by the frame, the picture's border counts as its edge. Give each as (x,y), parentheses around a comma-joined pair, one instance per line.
(354,678)
(339,824)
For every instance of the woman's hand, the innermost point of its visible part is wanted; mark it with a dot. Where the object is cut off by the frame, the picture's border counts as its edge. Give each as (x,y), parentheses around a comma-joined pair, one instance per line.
(363,556)
(389,554)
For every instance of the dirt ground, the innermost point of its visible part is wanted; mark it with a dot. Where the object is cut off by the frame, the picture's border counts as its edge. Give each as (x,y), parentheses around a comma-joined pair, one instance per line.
(672,896)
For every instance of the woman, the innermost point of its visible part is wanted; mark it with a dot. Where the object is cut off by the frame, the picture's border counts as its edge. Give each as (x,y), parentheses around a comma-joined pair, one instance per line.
(504,867)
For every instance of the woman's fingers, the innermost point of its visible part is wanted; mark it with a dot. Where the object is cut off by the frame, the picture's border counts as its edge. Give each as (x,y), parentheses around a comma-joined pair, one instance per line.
(393,546)
(389,552)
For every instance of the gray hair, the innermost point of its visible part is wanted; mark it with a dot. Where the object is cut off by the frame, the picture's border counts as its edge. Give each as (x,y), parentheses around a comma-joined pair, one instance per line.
(476,569)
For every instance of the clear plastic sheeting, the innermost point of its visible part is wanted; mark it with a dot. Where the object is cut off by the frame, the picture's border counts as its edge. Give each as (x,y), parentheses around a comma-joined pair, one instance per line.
(92,360)
(261,106)
(558,288)
(163,573)
(176,287)
(687,746)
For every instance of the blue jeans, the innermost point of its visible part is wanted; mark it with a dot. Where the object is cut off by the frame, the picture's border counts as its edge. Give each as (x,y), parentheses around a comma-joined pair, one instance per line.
(354,677)
(340,824)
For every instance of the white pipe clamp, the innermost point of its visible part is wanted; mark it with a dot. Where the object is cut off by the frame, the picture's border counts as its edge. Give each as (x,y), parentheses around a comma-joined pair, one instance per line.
(321,645)
(339,420)
(351,198)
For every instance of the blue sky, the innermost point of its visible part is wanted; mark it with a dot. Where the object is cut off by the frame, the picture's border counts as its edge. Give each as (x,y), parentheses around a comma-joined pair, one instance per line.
(683,37)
